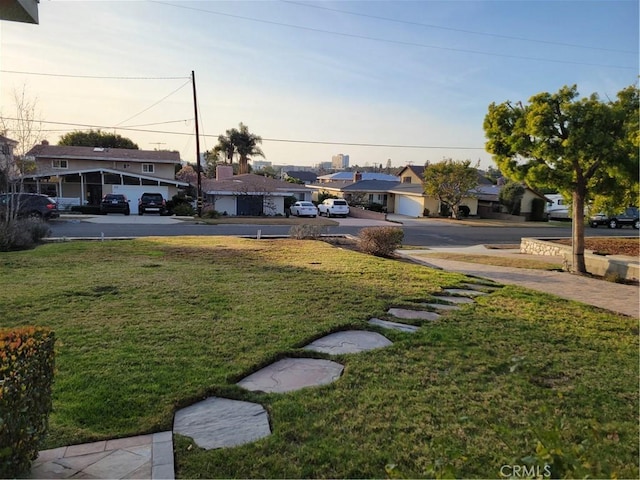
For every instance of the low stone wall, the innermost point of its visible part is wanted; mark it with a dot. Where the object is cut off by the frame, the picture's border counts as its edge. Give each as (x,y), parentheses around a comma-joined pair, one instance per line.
(620,266)
(368,214)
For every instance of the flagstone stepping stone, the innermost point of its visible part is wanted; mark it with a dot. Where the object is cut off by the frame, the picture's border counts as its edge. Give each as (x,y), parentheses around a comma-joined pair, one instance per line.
(441,306)
(221,422)
(481,286)
(351,341)
(455,299)
(463,291)
(413,314)
(403,327)
(291,374)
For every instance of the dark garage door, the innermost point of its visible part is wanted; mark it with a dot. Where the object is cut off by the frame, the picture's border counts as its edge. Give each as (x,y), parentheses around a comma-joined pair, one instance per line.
(250,205)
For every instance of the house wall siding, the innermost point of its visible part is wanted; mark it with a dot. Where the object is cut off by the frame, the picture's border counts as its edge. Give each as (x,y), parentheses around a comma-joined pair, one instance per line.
(161,170)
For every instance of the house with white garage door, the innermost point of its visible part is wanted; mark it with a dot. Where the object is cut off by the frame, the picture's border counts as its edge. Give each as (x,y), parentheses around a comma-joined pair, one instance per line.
(83,175)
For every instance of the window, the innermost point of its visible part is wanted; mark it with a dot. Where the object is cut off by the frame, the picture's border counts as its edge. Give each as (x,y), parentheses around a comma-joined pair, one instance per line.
(406,179)
(60,164)
(4,149)
(126,165)
(147,168)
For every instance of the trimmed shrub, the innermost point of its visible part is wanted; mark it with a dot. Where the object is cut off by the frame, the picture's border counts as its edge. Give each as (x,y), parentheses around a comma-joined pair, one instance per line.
(380,241)
(26,376)
(22,234)
(302,232)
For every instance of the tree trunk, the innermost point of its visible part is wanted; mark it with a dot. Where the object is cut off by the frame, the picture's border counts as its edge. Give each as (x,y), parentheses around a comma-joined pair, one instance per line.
(243,168)
(577,229)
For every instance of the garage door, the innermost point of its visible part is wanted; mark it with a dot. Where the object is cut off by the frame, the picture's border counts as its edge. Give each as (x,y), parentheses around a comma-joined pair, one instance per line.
(134,192)
(410,206)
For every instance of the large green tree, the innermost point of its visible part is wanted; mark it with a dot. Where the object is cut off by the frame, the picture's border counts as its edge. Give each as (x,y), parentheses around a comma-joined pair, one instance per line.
(583,147)
(96,138)
(450,181)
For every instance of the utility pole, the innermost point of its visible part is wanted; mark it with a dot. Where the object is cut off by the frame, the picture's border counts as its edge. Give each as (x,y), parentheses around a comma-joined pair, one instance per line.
(198,169)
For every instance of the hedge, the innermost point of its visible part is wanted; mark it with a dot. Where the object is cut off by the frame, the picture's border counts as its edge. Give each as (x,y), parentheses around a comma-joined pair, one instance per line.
(26,376)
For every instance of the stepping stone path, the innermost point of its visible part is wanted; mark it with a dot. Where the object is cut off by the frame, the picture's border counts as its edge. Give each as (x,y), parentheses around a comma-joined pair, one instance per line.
(219,422)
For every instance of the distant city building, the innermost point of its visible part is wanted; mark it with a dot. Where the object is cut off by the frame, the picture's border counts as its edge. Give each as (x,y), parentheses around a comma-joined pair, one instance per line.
(325,166)
(340,161)
(260,164)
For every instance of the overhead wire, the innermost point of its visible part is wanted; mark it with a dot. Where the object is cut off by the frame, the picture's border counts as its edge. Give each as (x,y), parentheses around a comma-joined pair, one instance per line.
(396,42)
(265,139)
(156,103)
(460,30)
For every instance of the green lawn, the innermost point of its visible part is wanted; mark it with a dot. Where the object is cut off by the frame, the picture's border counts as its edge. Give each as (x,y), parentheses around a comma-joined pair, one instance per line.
(145,327)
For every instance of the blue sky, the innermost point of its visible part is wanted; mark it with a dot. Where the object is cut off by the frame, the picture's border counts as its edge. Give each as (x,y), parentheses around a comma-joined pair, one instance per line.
(376,72)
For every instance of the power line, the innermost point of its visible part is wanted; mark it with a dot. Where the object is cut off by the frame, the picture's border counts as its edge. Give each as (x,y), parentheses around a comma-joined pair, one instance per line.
(279,140)
(151,106)
(396,42)
(42,74)
(452,29)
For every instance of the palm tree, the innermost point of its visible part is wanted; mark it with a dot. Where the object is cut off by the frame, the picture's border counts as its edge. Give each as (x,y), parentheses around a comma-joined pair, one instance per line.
(246,145)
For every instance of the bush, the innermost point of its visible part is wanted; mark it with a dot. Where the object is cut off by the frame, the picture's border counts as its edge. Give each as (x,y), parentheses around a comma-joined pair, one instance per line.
(22,234)
(302,232)
(26,375)
(380,241)
(183,210)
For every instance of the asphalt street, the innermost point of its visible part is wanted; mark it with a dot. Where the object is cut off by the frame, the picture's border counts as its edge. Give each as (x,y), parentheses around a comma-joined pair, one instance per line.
(417,232)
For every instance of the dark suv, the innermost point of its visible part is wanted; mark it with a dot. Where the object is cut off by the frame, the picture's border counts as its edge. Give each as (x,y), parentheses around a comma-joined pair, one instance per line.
(114,203)
(152,202)
(628,217)
(31,205)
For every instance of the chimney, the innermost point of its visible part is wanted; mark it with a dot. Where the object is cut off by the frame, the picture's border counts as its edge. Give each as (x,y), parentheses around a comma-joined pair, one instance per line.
(45,142)
(357,176)
(223,172)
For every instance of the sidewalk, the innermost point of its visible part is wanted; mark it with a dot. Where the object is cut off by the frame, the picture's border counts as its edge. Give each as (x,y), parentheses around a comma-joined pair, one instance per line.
(616,297)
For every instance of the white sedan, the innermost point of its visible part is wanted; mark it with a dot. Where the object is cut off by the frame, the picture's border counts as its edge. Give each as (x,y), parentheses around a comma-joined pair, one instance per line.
(304,209)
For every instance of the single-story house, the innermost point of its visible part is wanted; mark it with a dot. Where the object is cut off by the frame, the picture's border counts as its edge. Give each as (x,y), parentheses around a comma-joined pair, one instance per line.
(489,201)
(250,194)
(358,192)
(83,175)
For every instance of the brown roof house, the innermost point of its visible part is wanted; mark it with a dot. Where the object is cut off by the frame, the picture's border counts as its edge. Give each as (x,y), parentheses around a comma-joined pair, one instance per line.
(83,175)
(250,195)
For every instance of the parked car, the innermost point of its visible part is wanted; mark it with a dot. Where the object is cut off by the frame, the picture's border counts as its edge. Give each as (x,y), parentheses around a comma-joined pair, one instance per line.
(333,206)
(152,202)
(628,217)
(306,209)
(114,203)
(28,205)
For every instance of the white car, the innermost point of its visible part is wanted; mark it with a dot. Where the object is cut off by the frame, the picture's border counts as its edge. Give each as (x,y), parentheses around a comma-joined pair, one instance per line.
(304,209)
(333,206)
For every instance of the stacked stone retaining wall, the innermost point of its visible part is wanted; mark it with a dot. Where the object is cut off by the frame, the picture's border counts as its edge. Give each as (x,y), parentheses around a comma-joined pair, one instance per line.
(614,266)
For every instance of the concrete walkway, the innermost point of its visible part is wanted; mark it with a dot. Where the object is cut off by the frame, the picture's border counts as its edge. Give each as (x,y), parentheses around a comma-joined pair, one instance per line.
(616,297)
